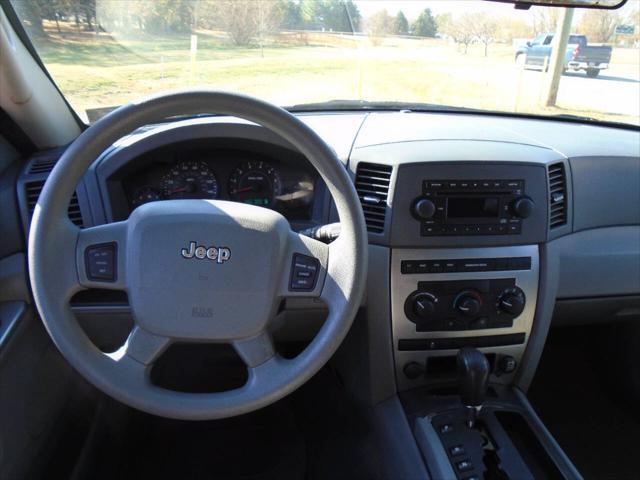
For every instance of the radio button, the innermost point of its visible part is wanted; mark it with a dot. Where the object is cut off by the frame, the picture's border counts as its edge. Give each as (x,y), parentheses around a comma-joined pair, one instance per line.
(514,228)
(408,266)
(436,184)
(435,267)
(449,266)
(422,267)
(515,184)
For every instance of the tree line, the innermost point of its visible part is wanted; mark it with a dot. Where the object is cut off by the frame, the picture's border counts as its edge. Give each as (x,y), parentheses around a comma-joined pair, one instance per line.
(250,21)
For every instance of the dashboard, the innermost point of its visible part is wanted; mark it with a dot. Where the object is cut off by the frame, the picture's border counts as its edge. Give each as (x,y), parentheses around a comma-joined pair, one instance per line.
(480,227)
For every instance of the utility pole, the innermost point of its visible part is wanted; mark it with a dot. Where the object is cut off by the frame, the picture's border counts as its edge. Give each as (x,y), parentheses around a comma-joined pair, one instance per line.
(558,53)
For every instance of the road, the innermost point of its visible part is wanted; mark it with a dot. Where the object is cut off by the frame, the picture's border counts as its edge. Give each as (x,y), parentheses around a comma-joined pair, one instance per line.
(615,91)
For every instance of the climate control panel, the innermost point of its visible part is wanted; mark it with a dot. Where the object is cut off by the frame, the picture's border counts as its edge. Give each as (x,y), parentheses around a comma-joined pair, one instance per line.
(464,304)
(446,299)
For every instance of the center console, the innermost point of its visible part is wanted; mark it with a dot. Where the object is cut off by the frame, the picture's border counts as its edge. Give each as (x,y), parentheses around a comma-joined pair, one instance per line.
(465,272)
(464,265)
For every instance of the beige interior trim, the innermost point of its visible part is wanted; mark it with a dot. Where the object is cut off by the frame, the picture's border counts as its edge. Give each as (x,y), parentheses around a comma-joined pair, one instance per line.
(29,97)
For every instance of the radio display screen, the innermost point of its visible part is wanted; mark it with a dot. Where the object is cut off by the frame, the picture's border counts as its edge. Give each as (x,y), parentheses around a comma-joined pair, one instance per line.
(472,207)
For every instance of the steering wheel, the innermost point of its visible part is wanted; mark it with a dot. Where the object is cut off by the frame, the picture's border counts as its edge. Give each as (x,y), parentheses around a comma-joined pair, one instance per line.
(195,270)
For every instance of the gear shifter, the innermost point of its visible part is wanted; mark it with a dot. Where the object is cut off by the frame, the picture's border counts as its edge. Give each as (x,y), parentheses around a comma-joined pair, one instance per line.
(473,374)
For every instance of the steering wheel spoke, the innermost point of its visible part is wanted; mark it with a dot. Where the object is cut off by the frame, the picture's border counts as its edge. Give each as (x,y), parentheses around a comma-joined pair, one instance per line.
(100,256)
(256,350)
(142,346)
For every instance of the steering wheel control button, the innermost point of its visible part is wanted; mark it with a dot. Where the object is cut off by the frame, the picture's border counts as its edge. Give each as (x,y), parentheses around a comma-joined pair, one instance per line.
(464,466)
(100,262)
(446,428)
(507,364)
(457,450)
(304,273)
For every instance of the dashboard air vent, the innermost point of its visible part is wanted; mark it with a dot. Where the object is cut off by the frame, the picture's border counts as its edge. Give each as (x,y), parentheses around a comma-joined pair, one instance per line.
(372,185)
(33,189)
(557,195)
(43,164)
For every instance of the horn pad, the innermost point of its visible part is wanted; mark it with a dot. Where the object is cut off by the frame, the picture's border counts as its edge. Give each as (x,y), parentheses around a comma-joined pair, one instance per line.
(204,269)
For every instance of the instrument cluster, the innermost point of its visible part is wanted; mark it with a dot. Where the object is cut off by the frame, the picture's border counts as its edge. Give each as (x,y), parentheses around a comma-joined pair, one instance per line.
(237,176)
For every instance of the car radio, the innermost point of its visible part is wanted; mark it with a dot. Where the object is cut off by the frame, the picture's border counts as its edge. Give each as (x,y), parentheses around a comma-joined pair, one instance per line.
(471,207)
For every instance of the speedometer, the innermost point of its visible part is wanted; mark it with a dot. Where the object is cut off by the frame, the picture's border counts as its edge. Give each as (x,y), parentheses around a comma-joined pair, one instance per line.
(190,179)
(256,183)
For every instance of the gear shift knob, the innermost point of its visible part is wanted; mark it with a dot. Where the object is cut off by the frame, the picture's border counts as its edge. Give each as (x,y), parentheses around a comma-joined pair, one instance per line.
(473,374)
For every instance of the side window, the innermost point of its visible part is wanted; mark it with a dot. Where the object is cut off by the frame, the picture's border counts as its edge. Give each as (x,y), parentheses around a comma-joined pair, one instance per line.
(548,39)
(538,40)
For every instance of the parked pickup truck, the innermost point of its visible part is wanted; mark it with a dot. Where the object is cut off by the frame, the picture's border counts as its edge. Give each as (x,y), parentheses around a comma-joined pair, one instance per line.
(536,53)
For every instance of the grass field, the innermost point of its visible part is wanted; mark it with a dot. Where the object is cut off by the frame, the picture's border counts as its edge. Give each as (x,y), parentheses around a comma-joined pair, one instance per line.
(100,71)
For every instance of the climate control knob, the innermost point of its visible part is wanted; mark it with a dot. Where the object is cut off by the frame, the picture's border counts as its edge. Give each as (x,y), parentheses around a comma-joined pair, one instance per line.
(512,301)
(468,303)
(423,209)
(424,305)
(522,207)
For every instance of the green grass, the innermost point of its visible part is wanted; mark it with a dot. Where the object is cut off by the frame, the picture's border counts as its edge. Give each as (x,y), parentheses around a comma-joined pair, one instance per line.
(97,71)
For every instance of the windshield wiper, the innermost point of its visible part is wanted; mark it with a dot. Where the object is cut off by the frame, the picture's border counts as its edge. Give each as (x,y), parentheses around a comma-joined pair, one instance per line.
(346,105)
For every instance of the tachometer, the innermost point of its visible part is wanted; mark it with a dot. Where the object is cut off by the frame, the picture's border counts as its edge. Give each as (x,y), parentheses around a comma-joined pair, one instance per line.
(190,179)
(257,183)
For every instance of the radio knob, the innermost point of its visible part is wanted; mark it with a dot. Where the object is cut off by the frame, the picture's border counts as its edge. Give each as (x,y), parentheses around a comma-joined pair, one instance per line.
(522,207)
(424,209)
(512,301)
(468,303)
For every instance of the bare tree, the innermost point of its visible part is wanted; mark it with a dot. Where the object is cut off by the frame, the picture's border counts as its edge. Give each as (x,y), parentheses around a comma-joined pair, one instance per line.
(599,25)
(545,19)
(268,17)
(244,20)
(461,30)
(485,28)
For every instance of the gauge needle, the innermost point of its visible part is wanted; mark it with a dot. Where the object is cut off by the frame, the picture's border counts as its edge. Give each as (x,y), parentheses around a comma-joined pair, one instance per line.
(178,190)
(242,190)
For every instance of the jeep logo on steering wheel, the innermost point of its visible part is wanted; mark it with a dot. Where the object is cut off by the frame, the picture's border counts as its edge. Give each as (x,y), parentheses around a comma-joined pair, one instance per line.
(217,254)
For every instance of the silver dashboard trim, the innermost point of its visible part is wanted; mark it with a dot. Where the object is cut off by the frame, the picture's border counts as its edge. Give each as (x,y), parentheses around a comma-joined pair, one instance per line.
(404,284)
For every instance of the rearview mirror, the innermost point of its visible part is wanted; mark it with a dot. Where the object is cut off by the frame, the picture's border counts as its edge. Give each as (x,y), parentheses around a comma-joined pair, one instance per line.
(603,4)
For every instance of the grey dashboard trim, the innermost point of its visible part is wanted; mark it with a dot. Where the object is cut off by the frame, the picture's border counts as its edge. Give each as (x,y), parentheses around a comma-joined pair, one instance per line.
(548,285)
(564,138)
(598,262)
(552,447)
(401,458)
(14,278)
(606,191)
(11,314)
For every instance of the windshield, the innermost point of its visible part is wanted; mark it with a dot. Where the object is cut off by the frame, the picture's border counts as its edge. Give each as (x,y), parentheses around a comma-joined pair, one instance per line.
(359,54)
